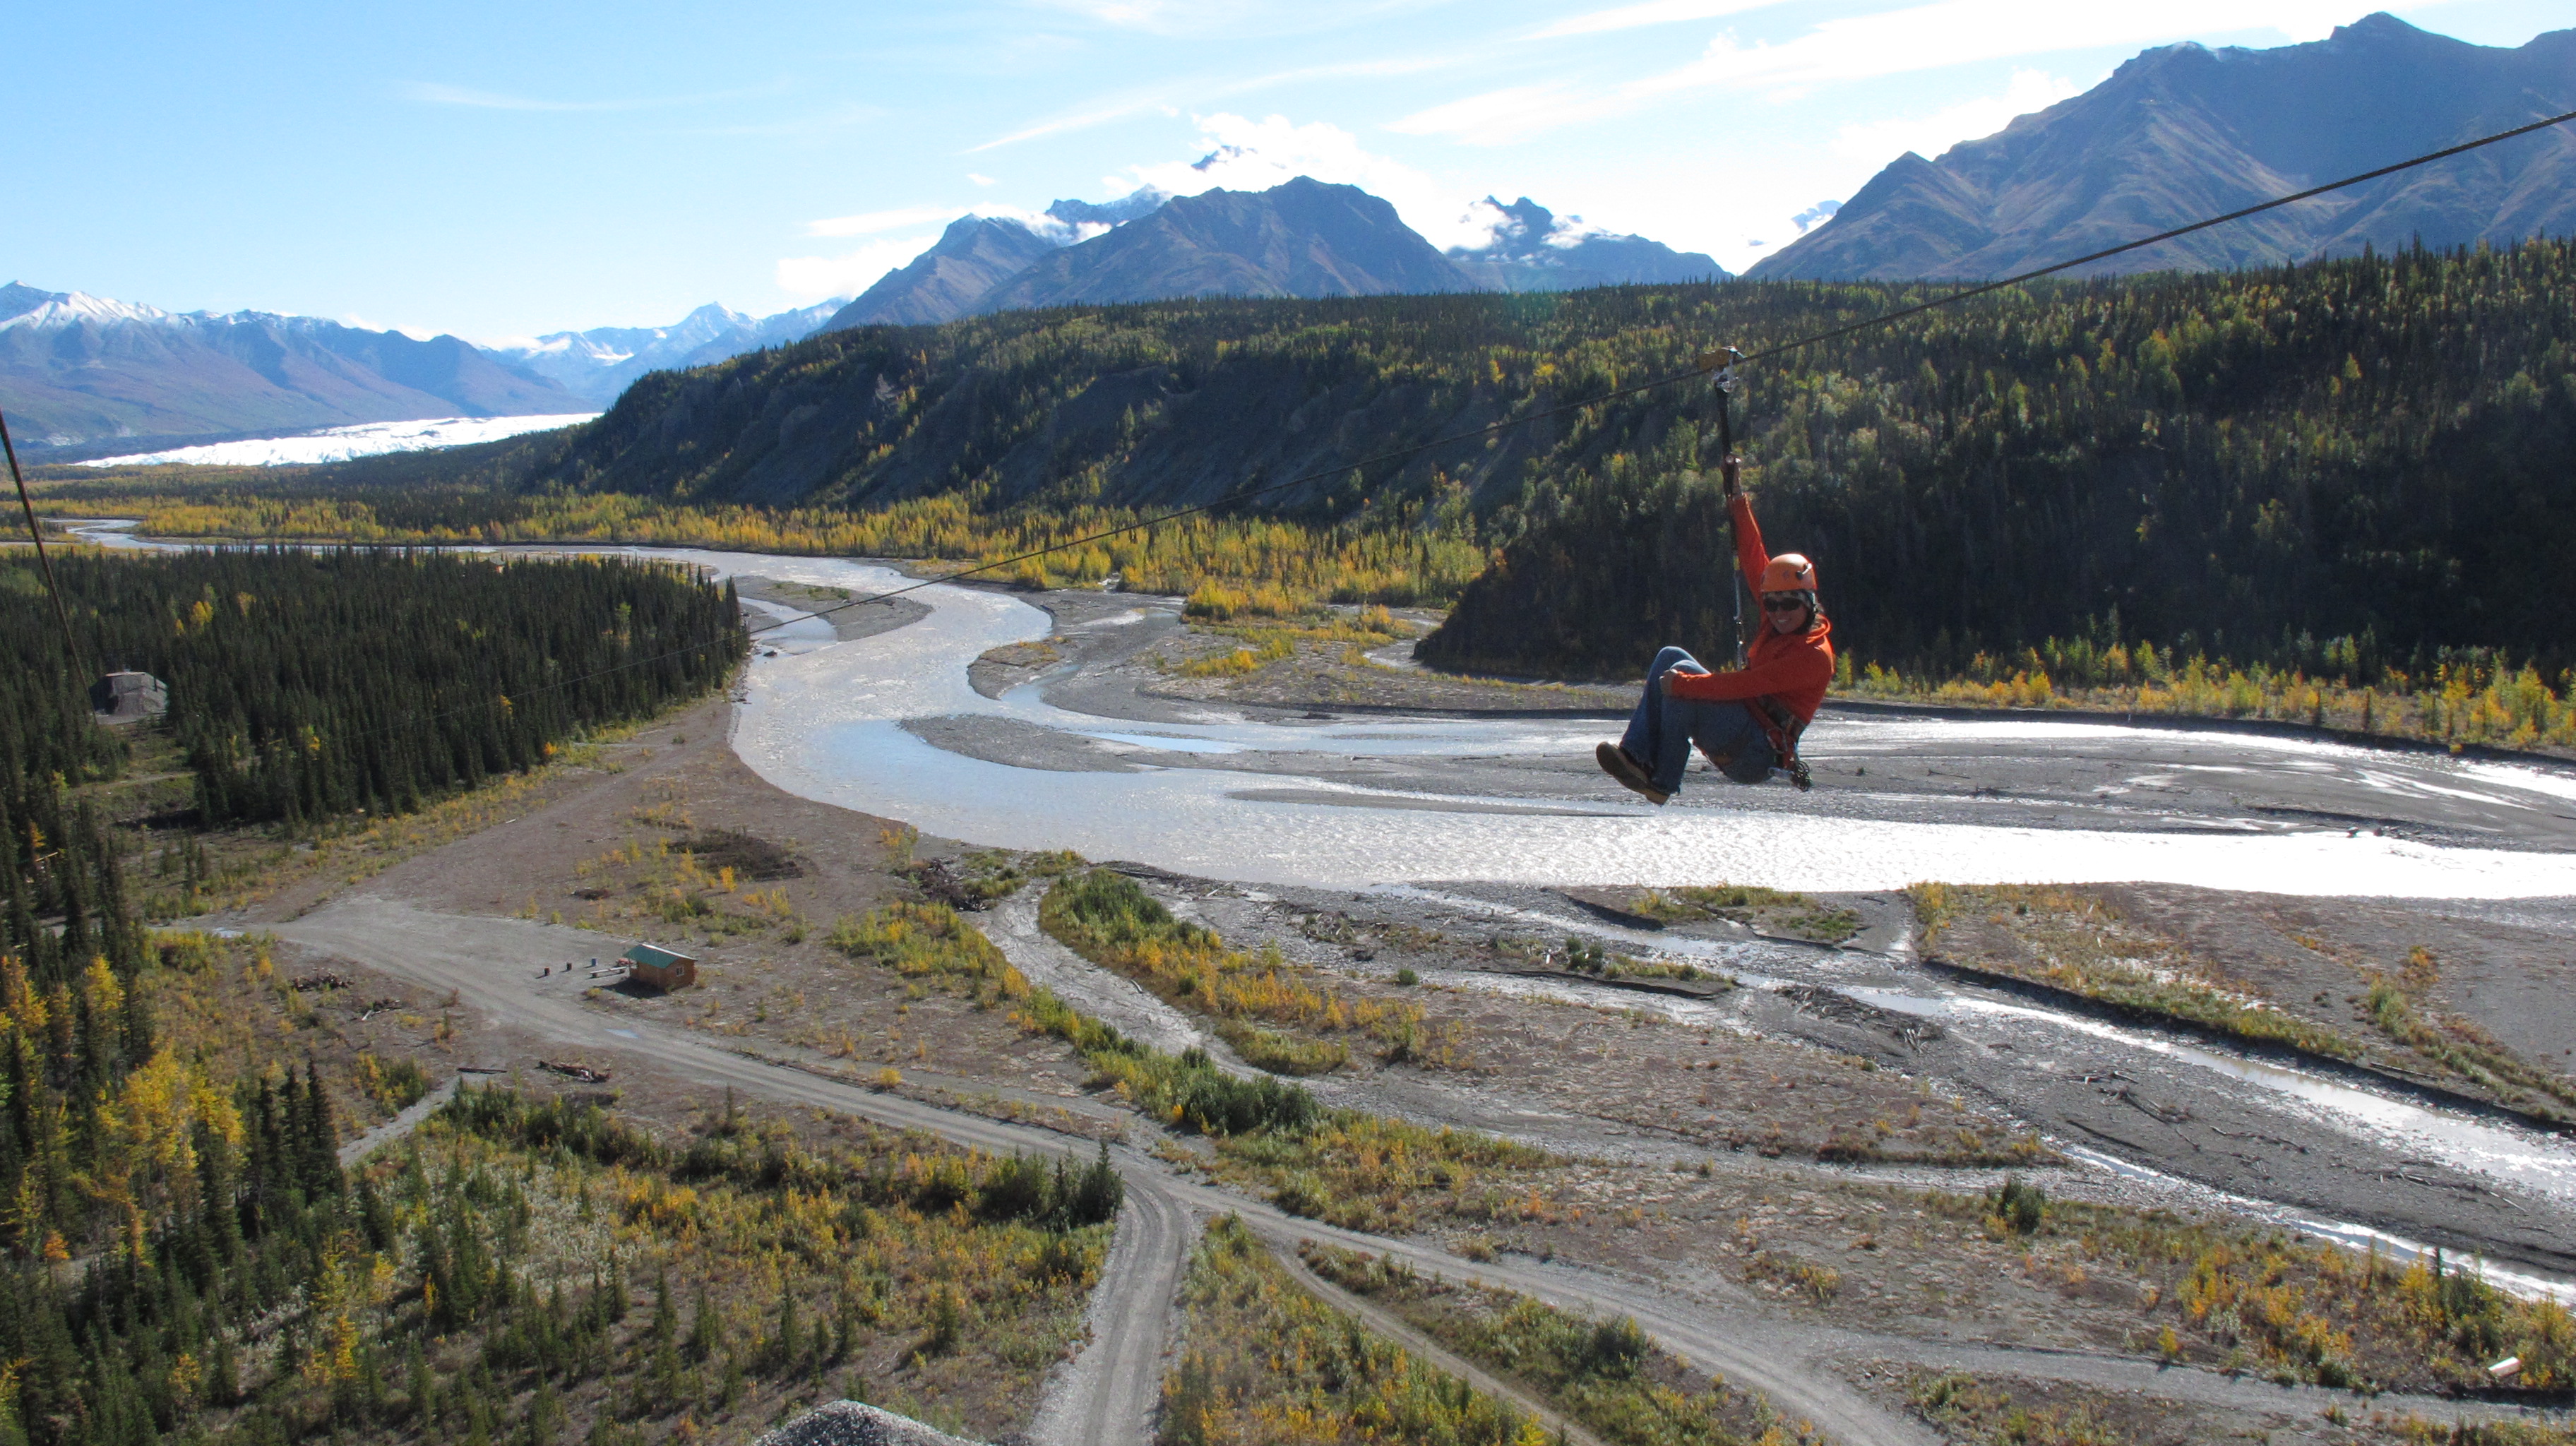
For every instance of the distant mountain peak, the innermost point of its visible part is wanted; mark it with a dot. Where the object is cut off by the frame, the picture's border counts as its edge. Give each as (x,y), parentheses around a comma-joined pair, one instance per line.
(600,363)
(974,255)
(1302,237)
(2380,24)
(1143,201)
(82,371)
(1533,249)
(1525,226)
(22,305)
(2182,131)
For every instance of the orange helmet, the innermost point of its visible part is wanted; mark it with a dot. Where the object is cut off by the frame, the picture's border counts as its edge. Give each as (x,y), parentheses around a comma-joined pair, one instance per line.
(1789,572)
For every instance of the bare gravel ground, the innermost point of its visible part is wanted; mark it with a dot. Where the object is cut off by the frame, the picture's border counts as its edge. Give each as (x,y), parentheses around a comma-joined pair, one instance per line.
(1733,1145)
(1117,656)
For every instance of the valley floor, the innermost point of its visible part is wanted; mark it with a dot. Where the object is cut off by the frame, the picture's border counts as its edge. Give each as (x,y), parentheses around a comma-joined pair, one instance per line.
(2141,1161)
(1783,1182)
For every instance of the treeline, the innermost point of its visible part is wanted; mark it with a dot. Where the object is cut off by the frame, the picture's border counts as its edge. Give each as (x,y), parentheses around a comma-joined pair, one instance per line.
(1404,555)
(273,1294)
(2342,468)
(2361,462)
(305,685)
(159,1321)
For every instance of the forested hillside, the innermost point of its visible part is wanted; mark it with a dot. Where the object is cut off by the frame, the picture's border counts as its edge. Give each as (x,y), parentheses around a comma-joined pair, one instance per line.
(304,685)
(2380,449)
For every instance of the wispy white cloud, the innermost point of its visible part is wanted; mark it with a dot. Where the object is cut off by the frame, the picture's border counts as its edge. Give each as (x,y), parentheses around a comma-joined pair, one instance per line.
(1960,32)
(1207,89)
(1241,154)
(1154,16)
(810,279)
(871,222)
(437,93)
(1652,12)
(981,180)
(1383,67)
(1232,19)
(1508,114)
(1929,135)
(1900,41)
(1078,120)
(818,123)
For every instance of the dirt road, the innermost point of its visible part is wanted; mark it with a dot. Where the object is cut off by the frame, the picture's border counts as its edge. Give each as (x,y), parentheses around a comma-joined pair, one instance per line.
(1110,1395)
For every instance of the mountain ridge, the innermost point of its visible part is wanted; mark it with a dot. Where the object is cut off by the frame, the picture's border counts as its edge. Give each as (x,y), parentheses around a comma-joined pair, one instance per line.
(972,257)
(1303,237)
(1532,250)
(601,362)
(2182,132)
(83,372)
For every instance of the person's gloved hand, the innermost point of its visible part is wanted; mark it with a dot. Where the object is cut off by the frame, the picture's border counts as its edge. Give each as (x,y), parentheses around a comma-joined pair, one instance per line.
(1727,470)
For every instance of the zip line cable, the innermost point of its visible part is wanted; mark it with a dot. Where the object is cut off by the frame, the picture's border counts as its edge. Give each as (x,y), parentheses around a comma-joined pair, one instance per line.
(1702,367)
(2253,210)
(1706,364)
(35,534)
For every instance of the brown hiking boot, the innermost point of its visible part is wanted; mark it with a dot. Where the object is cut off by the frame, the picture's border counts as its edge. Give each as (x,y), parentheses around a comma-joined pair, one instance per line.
(1616,762)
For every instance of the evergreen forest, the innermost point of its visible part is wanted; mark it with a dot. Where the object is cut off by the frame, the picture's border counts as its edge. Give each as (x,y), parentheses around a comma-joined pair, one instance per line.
(305,685)
(185,1251)
(2346,466)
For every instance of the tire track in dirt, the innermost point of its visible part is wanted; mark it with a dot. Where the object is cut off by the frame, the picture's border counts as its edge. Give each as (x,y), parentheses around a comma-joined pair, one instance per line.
(399,1126)
(1112,1401)
(1111,1391)
(1403,1332)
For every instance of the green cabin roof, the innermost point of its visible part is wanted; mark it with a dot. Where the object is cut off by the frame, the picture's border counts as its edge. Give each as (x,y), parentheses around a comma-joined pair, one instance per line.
(657,958)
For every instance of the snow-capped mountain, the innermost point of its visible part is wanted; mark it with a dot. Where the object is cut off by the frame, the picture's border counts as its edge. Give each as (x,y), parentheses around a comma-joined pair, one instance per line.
(598,364)
(1300,238)
(977,254)
(25,306)
(1535,250)
(82,373)
(1089,218)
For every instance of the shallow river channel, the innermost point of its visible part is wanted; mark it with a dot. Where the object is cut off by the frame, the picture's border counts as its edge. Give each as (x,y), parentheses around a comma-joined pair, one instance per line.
(1271,801)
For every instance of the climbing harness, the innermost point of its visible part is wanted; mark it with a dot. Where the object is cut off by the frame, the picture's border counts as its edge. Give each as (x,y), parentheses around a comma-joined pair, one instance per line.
(1781,725)
(1784,728)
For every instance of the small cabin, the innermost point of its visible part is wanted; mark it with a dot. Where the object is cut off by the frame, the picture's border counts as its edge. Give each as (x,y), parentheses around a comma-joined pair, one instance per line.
(659,968)
(128,698)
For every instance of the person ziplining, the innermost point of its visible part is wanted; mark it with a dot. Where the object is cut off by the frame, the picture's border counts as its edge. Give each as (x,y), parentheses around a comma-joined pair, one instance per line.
(1746,720)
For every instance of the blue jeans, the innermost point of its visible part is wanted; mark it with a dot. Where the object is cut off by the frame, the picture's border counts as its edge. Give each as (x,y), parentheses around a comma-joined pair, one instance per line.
(1662,730)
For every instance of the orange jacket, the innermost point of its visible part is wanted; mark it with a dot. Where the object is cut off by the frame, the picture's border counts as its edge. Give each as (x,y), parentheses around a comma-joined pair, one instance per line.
(1795,668)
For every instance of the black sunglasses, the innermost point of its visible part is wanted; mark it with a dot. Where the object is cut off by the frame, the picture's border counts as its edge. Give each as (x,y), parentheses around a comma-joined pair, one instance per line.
(1782,604)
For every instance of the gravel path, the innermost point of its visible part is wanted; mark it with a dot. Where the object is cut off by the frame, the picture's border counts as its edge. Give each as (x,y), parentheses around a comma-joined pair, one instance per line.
(1012,925)
(489,962)
(397,1127)
(1401,1331)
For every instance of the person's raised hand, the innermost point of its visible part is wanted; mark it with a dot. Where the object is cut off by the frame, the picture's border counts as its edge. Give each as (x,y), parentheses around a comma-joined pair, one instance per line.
(1728,470)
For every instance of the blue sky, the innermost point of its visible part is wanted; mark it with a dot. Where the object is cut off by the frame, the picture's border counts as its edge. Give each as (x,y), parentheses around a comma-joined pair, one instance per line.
(501,170)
